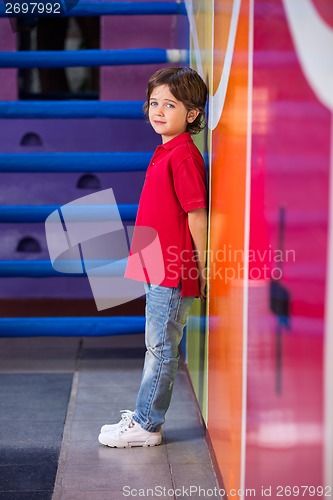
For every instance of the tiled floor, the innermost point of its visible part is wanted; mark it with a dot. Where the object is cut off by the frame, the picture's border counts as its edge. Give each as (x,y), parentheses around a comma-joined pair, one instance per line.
(106,373)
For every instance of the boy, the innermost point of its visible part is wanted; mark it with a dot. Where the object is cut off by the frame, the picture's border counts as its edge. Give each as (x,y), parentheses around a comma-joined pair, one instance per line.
(174,203)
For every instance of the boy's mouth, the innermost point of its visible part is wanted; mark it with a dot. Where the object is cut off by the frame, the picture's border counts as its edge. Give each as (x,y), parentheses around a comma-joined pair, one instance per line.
(158,122)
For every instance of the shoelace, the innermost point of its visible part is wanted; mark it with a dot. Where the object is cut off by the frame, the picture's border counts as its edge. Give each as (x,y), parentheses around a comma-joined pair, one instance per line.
(126,418)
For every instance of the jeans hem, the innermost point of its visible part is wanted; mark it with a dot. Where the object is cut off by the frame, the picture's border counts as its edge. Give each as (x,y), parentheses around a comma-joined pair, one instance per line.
(146,427)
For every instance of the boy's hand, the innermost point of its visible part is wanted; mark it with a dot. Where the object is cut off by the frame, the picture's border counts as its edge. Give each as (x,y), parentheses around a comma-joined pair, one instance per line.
(197,221)
(202,287)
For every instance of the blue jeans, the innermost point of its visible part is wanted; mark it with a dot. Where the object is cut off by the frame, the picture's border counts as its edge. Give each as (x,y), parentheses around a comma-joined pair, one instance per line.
(166,316)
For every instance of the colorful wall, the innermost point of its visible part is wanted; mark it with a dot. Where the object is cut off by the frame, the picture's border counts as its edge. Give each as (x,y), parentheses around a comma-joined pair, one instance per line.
(261,367)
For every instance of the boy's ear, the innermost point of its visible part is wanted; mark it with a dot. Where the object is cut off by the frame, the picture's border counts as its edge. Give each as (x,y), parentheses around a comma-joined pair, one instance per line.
(192,115)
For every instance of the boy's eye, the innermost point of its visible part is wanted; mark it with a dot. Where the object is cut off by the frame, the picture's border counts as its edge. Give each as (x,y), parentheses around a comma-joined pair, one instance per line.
(169,105)
(153,103)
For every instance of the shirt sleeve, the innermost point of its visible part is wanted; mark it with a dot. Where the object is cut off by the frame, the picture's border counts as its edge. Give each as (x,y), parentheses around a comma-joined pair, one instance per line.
(190,184)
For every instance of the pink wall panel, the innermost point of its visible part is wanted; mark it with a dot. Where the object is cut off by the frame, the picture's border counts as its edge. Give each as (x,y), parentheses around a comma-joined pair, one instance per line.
(289,206)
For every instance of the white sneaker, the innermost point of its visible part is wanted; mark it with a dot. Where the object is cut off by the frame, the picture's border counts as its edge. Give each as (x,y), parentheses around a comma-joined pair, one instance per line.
(131,434)
(126,417)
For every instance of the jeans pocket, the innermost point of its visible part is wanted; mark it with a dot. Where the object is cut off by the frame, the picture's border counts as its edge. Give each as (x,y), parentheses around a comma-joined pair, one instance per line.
(183,309)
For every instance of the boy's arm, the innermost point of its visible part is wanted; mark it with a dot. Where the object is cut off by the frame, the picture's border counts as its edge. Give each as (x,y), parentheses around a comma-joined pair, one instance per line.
(197,222)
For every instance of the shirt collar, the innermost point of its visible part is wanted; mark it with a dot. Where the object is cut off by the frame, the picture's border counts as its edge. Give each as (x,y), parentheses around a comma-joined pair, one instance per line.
(179,139)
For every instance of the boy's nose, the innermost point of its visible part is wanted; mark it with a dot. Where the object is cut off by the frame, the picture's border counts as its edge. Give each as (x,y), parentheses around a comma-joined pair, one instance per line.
(159,111)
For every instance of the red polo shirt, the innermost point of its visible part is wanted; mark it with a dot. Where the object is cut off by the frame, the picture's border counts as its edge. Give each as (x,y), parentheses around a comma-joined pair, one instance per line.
(175,183)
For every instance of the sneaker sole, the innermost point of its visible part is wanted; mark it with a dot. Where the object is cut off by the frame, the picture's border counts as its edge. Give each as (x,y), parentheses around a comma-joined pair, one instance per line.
(115,444)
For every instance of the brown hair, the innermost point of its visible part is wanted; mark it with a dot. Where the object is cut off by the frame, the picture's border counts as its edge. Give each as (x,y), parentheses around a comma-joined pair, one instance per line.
(187,87)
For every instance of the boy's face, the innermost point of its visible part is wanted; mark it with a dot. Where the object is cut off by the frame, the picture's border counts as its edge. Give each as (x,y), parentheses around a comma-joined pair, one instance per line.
(167,115)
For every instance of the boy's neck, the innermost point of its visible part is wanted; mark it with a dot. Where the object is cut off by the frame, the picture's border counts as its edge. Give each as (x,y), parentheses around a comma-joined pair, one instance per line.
(166,139)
